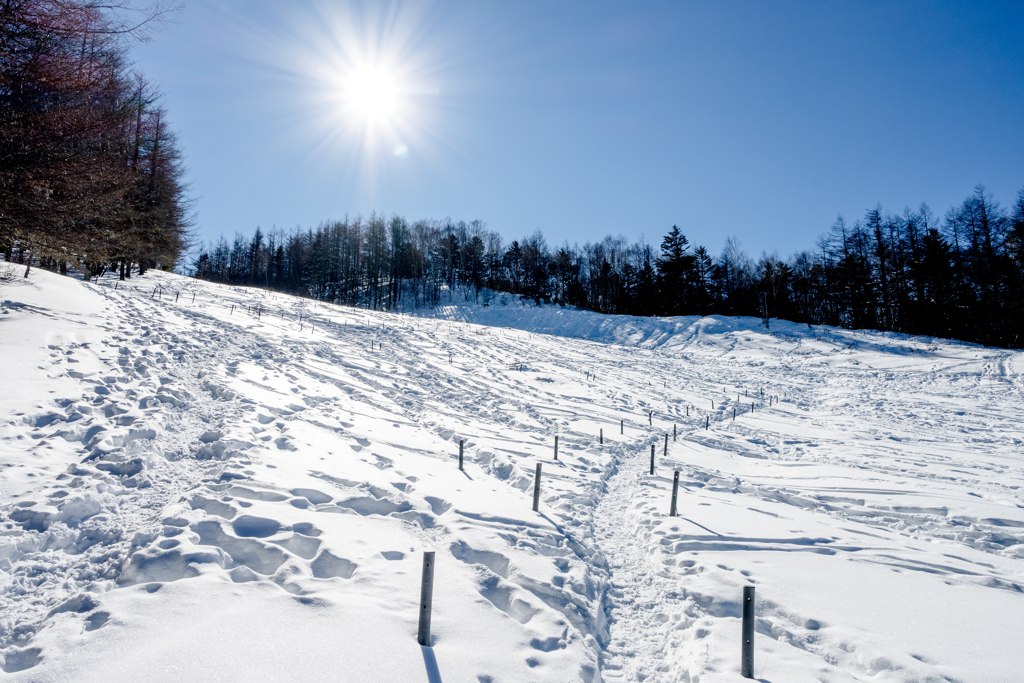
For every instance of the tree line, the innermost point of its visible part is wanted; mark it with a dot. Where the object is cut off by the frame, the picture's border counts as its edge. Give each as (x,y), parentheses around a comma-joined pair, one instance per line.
(90,171)
(961,276)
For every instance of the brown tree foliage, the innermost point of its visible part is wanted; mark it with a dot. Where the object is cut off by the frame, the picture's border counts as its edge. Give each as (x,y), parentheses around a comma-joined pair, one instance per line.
(88,166)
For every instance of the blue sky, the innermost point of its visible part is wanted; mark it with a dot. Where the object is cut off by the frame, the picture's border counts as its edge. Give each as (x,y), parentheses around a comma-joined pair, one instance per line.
(762,120)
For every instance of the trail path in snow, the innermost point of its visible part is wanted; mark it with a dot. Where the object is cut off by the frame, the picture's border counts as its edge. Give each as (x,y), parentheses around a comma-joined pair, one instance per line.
(636,597)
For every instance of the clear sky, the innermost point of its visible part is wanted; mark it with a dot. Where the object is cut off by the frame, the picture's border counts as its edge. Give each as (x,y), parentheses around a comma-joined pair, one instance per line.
(762,120)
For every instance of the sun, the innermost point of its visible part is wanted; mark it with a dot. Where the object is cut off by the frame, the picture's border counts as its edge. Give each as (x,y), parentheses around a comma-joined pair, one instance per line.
(372,94)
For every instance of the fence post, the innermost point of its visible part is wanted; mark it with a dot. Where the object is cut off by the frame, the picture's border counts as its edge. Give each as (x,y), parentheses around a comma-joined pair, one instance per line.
(176,295)
(556,446)
(461,441)
(747,661)
(666,445)
(426,598)
(652,458)
(675,493)
(602,437)
(707,425)
(193,297)
(733,414)
(650,418)
(536,489)
(622,426)
(673,432)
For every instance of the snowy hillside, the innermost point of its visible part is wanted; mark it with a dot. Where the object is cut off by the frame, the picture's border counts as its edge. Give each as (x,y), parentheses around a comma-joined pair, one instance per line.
(203,486)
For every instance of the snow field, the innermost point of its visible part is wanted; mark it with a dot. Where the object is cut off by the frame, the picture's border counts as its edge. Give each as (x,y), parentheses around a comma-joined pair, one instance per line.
(196,492)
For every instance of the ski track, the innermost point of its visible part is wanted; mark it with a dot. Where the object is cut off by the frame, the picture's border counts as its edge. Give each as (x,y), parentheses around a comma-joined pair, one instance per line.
(169,474)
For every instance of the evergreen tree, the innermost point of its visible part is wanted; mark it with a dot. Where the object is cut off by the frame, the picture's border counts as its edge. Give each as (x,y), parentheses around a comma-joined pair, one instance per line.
(676,274)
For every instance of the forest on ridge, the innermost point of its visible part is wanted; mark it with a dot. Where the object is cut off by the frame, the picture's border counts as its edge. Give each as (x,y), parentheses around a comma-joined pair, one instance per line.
(961,276)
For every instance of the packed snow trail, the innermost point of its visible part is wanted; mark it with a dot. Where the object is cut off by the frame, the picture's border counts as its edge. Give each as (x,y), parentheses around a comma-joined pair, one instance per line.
(249,478)
(636,596)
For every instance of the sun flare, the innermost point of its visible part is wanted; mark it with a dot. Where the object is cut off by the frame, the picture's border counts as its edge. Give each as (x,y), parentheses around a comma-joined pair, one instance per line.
(372,94)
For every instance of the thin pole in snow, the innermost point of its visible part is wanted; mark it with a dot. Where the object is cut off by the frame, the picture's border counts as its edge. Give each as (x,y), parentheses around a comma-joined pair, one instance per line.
(707,425)
(747,657)
(675,493)
(602,437)
(666,445)
(461,442)
(536,489)
(426,598)
(556,446)
(652,459)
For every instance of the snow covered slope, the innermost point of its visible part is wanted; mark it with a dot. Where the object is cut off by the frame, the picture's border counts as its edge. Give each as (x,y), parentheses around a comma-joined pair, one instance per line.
(217,489)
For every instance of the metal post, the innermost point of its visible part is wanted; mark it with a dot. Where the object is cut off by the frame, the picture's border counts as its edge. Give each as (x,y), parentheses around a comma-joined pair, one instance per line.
(673,432)
(707,424)
(556,446)
(426,598)
(733,414)
(650,418)
(461,441)
(666,445)
(176,295)
(602,437)
(622,426)
(747,661)
(536,489)
(652,458)
(675,493)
